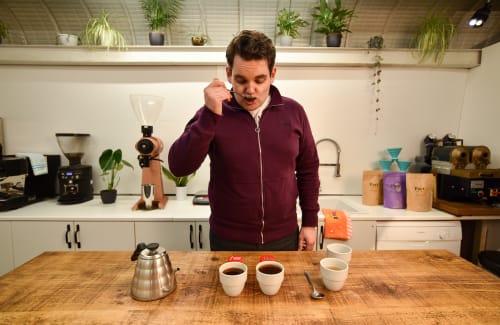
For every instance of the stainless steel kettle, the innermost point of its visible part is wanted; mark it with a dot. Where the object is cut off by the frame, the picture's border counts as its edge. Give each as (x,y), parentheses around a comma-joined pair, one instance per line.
(154,277)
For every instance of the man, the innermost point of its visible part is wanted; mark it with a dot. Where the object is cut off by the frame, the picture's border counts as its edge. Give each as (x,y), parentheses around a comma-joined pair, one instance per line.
(262,155)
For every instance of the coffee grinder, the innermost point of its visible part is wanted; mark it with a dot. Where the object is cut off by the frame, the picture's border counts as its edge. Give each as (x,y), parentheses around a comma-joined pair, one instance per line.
(75,180)
(147,109)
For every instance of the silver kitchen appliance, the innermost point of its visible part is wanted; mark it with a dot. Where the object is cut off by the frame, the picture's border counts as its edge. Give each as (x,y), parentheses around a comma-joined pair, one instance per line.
(75,180)
(154,277)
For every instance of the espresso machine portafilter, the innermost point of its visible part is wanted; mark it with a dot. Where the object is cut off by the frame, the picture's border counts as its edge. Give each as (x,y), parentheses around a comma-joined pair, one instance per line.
(147,109)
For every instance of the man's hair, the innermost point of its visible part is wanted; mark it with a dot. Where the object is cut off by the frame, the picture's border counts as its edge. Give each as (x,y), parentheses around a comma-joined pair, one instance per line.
(251,45)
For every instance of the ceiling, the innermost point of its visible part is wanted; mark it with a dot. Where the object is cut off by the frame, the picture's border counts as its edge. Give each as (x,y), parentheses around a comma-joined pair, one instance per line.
(36,22)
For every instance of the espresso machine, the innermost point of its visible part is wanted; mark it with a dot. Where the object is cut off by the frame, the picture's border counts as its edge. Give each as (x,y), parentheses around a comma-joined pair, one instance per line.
(75,180)
(147,109)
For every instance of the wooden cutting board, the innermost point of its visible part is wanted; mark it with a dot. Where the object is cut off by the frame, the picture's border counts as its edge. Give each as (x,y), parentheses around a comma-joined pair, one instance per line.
(465,208)
(389,287)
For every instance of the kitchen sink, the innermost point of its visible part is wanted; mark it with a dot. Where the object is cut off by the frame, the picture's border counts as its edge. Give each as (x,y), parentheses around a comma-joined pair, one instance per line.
(340,203)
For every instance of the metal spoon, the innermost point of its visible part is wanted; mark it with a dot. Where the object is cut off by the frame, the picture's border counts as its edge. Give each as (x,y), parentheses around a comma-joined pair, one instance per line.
(315,294)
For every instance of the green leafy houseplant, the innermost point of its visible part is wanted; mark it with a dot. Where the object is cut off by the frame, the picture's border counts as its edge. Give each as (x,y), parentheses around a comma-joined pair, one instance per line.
(434,36)
(99,32)
(181,181)
(4,31)
(111,163)
(161,13)
(331,19)
(289,22)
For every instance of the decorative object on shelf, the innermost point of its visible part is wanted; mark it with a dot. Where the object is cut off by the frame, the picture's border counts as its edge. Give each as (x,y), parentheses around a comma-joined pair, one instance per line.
(99,32)
(4,31)
(332,21)
(433,37)
(199,38)
(160,14)
(66,40)
(180,182)
(289,22)
(111,163)
(376,42)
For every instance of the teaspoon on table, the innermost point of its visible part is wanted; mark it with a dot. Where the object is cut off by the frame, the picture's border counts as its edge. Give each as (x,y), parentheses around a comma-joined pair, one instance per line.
(315,294)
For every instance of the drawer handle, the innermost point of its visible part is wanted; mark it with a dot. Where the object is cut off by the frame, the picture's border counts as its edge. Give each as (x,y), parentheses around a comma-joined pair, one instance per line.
(77,242)
(199,237)
(322,237)
(191,242)
(68,242)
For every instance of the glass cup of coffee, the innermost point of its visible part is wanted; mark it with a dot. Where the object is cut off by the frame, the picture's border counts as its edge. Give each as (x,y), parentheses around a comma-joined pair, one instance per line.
(233,276)
(270,275)
(334,272)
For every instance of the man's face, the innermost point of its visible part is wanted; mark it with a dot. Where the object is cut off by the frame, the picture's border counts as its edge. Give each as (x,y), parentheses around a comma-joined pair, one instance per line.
(252,80)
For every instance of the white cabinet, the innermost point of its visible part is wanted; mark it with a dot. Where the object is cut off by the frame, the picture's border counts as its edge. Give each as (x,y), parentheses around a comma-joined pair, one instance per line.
(174,235)
(31,238)
(363,235)
(6,258)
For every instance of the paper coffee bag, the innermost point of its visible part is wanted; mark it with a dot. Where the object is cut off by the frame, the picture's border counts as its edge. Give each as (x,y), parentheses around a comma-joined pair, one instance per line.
(419,191)
(372,187)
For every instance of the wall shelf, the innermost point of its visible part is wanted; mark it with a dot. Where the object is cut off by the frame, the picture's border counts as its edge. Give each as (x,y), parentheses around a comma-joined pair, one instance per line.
(215,55)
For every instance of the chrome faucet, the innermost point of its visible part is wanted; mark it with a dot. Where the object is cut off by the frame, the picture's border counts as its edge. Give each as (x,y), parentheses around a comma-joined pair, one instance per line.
(337,163)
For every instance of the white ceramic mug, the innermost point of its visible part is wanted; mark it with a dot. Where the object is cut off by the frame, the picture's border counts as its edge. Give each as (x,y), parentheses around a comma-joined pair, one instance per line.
(342,251)
(233,276)
(334,272)
(270,275)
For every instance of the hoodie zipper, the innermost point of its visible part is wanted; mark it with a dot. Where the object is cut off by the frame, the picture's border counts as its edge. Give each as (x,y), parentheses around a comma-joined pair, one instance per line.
(257,130)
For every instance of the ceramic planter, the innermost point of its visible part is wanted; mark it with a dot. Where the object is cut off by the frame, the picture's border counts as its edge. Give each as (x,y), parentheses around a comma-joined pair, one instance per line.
(333,39)
(108,196)
(156,38)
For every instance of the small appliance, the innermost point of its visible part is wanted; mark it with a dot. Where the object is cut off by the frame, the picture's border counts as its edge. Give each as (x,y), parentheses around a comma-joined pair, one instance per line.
(75,180)
(473,185)
(147,109)
(13,172)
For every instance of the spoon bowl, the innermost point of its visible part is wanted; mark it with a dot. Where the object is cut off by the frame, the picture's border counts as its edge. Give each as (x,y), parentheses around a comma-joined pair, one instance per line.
(315,294)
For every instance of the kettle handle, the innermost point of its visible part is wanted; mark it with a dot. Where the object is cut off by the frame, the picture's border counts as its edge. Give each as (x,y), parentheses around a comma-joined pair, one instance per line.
(140,247)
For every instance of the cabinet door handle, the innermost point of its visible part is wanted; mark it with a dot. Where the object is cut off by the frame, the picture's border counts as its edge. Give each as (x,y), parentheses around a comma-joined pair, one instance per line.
(199,237)
(322,237)
(191,233)
(77,242)
(66,235)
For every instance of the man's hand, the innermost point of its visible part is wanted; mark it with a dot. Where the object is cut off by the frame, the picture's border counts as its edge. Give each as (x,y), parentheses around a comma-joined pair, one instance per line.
(307,239)
(215,93)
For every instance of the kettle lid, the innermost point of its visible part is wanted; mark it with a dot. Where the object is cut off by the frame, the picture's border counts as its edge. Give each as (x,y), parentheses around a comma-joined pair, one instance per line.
(149,251)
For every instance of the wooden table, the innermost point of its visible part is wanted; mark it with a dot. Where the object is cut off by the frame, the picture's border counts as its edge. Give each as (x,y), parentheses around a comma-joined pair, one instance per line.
(389,287)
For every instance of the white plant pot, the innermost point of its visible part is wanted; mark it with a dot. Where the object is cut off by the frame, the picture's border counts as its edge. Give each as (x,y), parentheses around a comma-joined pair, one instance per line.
(180,193)
(67,40)
(286,40)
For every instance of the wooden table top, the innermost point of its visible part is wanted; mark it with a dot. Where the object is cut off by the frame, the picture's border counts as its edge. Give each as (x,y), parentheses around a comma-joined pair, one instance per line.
(389,287)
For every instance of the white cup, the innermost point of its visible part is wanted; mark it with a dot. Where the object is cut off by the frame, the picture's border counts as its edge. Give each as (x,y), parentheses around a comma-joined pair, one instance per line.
(270,275)
(342,251)
(233,276)
(334,272)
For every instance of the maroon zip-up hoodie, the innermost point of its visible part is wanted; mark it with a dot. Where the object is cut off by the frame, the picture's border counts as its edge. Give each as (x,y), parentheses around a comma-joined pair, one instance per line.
(256,173)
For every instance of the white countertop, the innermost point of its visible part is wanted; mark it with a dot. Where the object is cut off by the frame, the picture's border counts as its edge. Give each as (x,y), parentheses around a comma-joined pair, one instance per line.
(95,210)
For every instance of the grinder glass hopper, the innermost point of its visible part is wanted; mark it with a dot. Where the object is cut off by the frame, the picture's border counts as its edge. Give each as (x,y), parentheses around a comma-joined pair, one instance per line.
(147,109)
(72,145)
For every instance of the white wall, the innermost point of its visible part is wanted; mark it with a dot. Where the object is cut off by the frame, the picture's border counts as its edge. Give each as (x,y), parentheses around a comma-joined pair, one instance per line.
(37,102)
(480,120)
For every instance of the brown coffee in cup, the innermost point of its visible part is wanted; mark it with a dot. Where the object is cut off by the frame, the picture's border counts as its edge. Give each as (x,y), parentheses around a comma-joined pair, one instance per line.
(270,269)
(233,271)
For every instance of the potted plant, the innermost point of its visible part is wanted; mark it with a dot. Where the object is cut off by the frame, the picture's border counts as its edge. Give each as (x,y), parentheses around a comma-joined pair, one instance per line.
(160,14)
(111,163)
(332,21)
(4,31)
(99,32)
(199,38)
(289,22)
(180,182)
(434,36)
